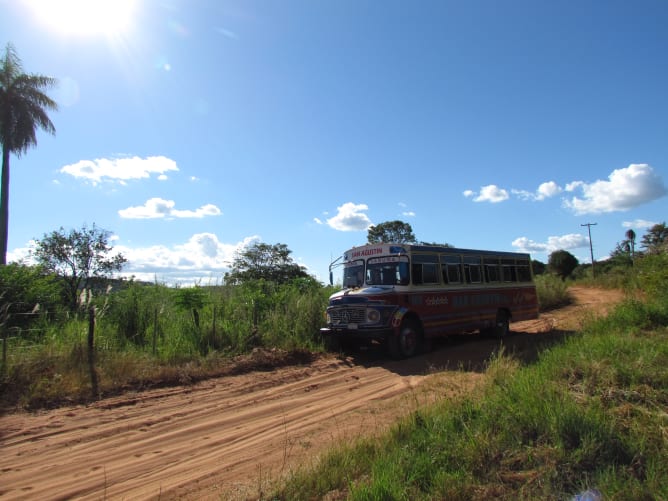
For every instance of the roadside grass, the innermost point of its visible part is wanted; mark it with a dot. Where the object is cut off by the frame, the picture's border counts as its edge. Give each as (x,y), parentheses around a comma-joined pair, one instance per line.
(552,292)
(143,340)
(591,413)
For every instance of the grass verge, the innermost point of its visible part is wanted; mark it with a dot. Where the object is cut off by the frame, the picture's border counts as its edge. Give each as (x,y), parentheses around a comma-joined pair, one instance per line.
(589,414)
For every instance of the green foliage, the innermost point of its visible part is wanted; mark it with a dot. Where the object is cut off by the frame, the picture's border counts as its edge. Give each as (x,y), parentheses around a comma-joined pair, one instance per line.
(78,256)
(150,330)
(267,262)
(562,263)
(132,312)
(654,241)
(191,299)
(396,232)
(552,292)
(652,275)
(30,295)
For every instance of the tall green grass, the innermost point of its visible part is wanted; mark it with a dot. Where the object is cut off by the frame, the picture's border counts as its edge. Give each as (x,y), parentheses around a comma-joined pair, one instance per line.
(552,292)
(591,413)
(151,333)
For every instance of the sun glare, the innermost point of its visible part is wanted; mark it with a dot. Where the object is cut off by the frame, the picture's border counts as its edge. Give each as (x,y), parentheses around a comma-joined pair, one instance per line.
(84,17)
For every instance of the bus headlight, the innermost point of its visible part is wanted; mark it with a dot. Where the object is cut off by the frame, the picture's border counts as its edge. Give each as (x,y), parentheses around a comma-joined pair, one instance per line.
(372,316)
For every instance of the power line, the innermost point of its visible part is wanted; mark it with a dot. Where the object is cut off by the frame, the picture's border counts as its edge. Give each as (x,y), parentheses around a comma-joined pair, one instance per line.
(591,247)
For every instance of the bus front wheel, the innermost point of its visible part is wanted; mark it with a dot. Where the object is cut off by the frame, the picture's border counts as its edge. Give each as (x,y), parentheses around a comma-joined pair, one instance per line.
(407,343)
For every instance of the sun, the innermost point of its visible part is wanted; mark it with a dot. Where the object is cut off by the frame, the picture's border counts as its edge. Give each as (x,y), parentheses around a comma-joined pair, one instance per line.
(84,17)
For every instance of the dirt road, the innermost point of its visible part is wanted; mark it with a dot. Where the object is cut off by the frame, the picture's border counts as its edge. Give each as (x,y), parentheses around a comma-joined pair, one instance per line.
(229,438)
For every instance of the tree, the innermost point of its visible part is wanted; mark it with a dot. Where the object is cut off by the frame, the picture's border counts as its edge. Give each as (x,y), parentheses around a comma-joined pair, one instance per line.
(264,261)
(78,256)
(654,241)
(23,109)
(631,240)
(396,232)
(621,255)
(562,263)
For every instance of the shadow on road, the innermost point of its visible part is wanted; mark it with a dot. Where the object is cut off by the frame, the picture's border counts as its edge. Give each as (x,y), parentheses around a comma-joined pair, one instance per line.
(470,353)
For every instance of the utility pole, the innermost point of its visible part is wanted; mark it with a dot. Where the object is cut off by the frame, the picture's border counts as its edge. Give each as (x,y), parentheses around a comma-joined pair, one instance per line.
(591,247)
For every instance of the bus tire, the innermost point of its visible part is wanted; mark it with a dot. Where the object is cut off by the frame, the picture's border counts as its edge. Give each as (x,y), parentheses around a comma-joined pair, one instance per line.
(502,325)
(407,342)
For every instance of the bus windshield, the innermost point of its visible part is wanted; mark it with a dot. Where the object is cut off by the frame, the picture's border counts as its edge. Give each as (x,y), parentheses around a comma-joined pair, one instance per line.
(387,271)
(353,273)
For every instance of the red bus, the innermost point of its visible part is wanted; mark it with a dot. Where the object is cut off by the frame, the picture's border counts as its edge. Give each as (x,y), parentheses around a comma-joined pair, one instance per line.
(403,295)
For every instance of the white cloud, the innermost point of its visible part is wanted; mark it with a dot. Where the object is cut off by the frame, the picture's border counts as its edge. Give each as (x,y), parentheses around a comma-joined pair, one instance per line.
(156,208)
(547,190)
(202,256)
(350,217)
(625,189)
(563,242)
(409,213)
(638,224)
(22,254)
(120,169)
(490,193)
(574,185)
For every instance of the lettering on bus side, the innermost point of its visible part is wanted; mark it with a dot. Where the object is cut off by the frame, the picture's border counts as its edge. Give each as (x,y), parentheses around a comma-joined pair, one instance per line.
(436,300)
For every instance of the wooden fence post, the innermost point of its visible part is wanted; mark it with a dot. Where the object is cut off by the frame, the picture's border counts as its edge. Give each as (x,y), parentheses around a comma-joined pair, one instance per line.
(3,372)
(91,352)
(155,331)
(4,330)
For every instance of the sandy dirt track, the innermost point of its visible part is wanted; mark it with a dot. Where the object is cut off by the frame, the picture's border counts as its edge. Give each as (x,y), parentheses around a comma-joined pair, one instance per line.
(229,438)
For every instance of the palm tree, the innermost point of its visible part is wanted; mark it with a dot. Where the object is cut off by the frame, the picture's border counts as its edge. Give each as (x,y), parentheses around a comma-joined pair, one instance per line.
(23,107)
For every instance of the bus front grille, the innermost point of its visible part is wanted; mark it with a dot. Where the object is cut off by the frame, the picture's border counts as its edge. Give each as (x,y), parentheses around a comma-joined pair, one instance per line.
(347,315)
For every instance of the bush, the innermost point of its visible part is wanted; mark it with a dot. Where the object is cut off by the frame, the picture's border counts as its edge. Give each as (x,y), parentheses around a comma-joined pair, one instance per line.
(30,294)
(552,292)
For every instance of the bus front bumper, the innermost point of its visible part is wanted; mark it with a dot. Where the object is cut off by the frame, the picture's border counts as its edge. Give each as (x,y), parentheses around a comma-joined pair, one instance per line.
(347,334)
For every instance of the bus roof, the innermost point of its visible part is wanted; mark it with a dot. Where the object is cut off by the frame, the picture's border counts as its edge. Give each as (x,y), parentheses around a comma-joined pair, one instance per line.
(398,248)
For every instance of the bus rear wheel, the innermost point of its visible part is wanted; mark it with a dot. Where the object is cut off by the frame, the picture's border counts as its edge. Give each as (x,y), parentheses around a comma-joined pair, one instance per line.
(408,342)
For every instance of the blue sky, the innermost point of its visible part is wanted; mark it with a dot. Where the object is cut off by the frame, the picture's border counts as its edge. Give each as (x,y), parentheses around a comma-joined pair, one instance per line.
(191,128)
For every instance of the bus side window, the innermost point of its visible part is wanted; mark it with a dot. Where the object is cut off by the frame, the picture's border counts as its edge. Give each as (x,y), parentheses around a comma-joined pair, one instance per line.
(472,270)
(523,271)
(429,273)
(416,270)
(491,270)
(425,269)
(508,270)
(451,269)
